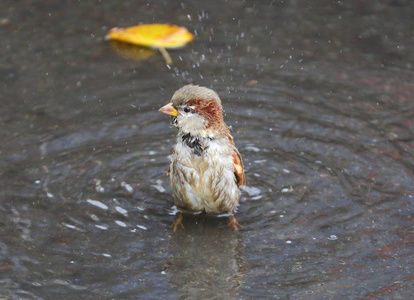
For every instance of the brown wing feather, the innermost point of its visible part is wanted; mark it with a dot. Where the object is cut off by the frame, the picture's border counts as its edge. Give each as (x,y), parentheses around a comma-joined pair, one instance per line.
(238,163)
(169,169)
(238,168)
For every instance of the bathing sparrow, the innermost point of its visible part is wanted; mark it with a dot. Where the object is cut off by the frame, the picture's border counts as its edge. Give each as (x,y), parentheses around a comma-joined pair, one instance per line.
(206,168)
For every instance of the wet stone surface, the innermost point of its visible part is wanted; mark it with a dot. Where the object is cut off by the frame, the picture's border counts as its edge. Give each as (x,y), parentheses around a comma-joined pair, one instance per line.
(320,100)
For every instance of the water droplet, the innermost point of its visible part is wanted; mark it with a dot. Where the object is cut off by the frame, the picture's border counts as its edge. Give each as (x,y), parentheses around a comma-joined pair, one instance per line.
(142,227)
(127,187)
(97,204)
(332,237)
(159,186)
(101,227)
(121,210)
(252,148)
(252,191)
(120,223)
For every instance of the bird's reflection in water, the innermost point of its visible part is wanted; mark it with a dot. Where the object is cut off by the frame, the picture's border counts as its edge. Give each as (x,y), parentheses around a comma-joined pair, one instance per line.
(206,259)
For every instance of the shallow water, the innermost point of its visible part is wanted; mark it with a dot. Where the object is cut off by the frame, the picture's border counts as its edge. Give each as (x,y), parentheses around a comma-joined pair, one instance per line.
(320,101)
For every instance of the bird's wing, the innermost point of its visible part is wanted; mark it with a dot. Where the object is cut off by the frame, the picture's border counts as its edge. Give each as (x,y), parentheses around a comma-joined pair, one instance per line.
(238,168)
(238,162)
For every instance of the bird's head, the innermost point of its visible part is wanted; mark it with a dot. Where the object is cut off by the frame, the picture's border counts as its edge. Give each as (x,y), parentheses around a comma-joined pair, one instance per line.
(196,110)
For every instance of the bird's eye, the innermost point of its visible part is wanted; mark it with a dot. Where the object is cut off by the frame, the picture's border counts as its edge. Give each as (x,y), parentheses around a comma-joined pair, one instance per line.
(187,109)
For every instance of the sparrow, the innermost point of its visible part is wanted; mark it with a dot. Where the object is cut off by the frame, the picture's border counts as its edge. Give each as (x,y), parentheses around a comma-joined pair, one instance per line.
(206,169)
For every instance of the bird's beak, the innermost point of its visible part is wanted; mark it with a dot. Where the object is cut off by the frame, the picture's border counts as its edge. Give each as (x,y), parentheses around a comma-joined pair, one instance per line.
(169,110)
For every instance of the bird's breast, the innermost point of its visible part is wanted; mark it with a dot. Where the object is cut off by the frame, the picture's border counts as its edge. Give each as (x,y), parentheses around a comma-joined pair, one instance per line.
(205,181)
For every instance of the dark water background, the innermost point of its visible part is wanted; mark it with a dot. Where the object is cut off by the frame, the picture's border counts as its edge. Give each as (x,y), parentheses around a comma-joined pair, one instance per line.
(319,95)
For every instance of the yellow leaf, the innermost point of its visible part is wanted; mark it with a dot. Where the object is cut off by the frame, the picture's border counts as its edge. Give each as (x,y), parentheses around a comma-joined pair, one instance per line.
(153,35)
